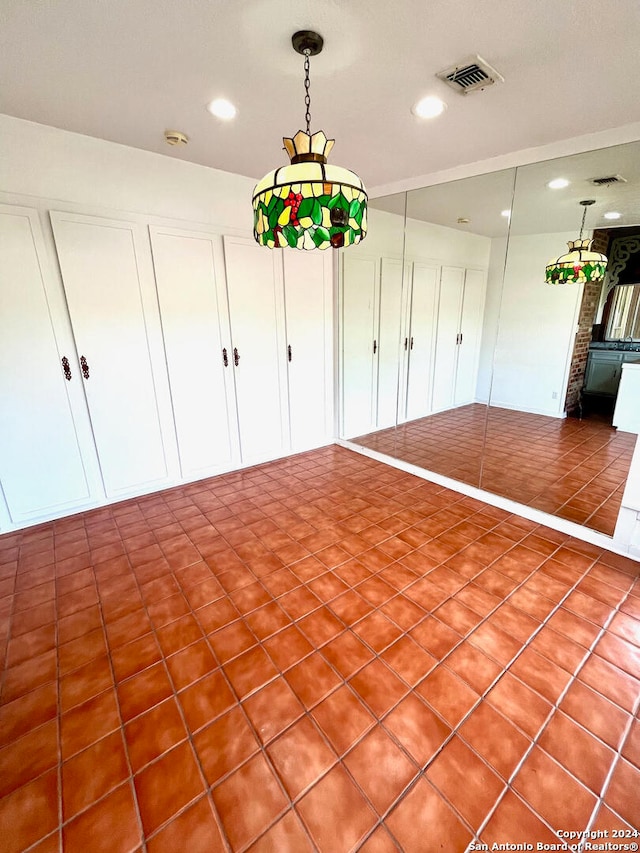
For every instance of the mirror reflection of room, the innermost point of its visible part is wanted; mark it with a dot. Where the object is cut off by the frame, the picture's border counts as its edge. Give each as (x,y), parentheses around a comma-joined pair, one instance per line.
(526,389)
(454,239)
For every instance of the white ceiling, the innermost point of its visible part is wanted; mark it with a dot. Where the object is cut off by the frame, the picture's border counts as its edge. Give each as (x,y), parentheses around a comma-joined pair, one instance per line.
(536,209)
(126,70)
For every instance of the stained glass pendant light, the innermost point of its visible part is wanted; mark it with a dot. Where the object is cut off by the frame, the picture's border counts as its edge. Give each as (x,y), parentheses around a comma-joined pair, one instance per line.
(580,264)
(309,204)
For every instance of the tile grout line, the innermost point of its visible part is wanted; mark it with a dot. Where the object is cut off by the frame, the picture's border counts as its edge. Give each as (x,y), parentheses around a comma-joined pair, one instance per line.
(555,708)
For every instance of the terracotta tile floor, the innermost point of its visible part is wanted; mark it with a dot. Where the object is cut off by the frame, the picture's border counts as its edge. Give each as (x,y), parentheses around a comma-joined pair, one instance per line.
(321,653)
(566,467)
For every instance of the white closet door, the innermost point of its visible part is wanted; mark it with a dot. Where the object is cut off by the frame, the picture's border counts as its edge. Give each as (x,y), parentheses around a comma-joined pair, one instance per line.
(254,283)
(307,297)
(449,307)
(389,342)
(41,468)
(192,331)
(471,331)
(421,339)
(101,274)
(359,279)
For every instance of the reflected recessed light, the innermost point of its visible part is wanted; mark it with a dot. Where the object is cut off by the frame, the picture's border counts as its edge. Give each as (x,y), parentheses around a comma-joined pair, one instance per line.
(222,108)
(612,214)
(558,184)
(429,107)
(506,214)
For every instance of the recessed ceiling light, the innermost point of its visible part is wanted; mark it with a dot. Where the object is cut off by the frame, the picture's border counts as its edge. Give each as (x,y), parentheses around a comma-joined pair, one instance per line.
(221,108)
(428,107)
(612,214)
(558,184)
(506,214)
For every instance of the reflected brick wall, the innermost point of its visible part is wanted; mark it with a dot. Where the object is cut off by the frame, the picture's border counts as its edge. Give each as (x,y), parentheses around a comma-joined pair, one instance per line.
(586,317)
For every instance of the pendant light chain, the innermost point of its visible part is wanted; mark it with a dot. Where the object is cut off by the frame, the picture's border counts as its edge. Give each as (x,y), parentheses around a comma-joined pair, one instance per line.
(307,96)
(584,216)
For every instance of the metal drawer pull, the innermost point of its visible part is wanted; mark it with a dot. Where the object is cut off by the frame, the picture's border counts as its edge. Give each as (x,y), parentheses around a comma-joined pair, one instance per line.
(66,368)
(225,357)
(375,347)
(289,352)
(236,356)
(85,367)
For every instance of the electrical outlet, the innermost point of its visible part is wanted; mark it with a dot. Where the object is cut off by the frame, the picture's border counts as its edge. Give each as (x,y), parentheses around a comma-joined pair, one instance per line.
(554,395)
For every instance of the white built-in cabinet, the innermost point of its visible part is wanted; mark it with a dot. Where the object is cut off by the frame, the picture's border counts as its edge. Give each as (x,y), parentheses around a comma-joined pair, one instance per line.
(136,356)
(410,337)
(370,339)
(42,470)
(420,321)
(459,327)
(189,277)
(103,278)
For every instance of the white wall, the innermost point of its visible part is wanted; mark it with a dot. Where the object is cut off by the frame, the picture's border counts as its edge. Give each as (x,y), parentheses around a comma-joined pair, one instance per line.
(536,329)
(446,246)
(41,161)
(491,317)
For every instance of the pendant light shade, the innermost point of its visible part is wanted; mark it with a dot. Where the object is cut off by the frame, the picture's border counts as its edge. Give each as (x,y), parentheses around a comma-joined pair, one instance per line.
(309,204)
(580,263)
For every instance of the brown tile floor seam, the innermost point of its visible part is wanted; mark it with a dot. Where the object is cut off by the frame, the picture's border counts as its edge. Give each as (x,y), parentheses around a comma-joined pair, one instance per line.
(555,707)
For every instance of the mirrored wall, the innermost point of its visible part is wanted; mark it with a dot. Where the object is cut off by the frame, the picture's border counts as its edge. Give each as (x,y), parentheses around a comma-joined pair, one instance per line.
(457,357)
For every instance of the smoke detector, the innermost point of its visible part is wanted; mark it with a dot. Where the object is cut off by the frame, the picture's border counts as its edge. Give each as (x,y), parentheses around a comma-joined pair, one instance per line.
(608,180)
(174,137)
(471,75)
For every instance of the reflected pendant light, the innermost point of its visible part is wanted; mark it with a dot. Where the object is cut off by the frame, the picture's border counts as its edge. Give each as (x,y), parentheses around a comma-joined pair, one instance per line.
(580,263)
(309,204)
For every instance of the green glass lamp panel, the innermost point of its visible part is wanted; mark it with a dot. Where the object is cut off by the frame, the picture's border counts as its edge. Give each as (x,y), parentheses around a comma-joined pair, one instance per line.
(304,216)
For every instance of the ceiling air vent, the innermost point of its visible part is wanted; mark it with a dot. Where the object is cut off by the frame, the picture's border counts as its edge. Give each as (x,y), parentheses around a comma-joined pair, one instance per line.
(609,179)
(471,75)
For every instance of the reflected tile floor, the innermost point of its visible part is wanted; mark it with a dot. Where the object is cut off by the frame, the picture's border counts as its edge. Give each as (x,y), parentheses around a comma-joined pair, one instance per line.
(570,468)
(321,653)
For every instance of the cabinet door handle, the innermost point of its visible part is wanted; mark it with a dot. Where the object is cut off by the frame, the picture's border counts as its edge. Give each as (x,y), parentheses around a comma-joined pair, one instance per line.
(225,357)
(66,368)
(236,356)
(289,352)
(460,337)
(375,347)
(411,344)
(406,341)
(85,367)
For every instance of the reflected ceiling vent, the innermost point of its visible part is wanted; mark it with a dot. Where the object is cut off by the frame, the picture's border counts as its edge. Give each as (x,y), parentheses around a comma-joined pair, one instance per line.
(608,180)
(471,75)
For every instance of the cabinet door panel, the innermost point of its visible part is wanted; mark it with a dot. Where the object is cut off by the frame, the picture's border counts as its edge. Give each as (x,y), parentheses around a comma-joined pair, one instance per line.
(305,303)
(471,330)
(186,284)
(41,468)
(449,305)
(253,282)
(389,342)
(603,373)
(422,323)
(100,270)
(359,280)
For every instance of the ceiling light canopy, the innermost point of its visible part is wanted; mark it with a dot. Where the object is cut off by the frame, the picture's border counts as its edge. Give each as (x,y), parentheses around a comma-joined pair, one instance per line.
(429,107)
(558,184)
(579,264)
(309,204)
(612,214)
(221,108)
